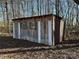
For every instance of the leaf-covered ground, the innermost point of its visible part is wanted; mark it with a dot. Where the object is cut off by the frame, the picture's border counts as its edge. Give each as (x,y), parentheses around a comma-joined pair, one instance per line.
(22,49)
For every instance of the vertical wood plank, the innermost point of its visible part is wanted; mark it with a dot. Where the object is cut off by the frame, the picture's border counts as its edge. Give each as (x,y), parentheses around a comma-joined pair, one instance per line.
(49,32)
(19,30)
(61,30)
(39,32)
(13,30)
(53,31)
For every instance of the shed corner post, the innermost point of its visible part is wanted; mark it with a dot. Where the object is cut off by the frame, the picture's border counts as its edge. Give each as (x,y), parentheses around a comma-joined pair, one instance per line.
(53,31)
(39,31)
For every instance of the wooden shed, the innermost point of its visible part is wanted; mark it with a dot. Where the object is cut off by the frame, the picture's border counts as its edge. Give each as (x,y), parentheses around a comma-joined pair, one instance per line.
(45,29)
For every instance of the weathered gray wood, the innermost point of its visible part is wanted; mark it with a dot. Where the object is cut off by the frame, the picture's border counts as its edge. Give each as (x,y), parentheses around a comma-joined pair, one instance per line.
(13,30)
(39,32)
(53,31)
(18,30)
(49,32)
(45,31)
(61,30)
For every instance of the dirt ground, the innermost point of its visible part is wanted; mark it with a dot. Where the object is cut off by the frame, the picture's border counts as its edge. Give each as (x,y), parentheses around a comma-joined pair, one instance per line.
(22,49)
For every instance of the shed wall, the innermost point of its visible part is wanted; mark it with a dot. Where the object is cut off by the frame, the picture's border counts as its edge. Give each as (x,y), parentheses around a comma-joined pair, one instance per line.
(30,29)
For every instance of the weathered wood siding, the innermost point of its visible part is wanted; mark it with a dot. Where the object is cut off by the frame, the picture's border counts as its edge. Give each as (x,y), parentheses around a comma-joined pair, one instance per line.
(29,29)
(61,30)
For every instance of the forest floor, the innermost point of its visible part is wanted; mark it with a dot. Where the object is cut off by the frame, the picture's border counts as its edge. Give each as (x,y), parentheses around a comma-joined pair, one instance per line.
(22,49)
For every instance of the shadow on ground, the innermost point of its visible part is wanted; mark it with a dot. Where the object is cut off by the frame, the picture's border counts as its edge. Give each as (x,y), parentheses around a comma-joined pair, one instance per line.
(9,42)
